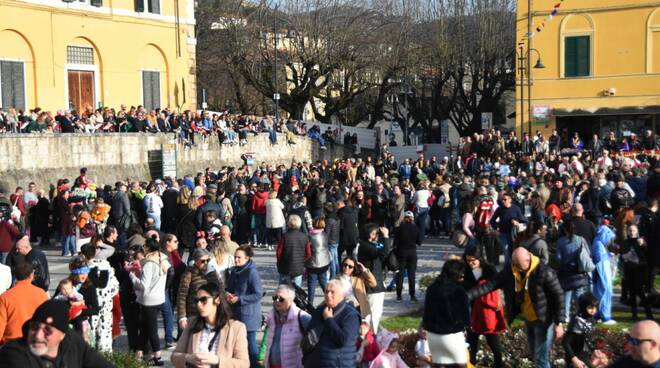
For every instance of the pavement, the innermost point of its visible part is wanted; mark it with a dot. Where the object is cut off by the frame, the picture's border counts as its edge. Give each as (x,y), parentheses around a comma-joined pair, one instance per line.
(431,256)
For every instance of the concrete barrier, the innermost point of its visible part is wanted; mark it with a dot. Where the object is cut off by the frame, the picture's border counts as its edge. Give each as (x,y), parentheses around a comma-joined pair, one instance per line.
(110,157)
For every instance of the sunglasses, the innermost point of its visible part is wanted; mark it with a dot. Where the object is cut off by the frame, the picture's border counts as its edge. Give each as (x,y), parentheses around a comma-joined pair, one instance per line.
(278,299)
(36,326)
(637,342)
(203,299)
(346,265)
(203,260)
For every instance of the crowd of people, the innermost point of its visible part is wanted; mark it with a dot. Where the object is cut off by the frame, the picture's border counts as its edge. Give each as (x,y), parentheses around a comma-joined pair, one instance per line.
(190,127)
(542,225)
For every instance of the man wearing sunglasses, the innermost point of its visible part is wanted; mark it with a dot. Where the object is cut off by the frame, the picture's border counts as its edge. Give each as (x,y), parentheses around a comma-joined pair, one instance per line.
(644,343)
(48,342)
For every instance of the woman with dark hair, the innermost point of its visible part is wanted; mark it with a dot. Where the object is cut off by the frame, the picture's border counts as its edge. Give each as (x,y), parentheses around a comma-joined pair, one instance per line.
(84,286)
(244,294)
(170,246)
(487,317)
(319,261)
(359,278)
(538,208)
(446,315)
(212,337)
(372,252)
(150,290)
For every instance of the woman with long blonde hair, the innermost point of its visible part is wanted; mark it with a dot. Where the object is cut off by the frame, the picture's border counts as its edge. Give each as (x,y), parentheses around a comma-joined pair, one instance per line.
(185,229)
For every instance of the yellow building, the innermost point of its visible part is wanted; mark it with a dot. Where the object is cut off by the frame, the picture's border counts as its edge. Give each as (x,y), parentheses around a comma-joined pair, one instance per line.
(59,54)
(602,66)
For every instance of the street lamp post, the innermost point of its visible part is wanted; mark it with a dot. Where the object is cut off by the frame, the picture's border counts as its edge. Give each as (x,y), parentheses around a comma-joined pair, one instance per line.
(522,59)
(276,37)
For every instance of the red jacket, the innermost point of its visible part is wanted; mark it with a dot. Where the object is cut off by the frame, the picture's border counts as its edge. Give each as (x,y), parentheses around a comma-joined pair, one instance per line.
(258,205)
(8,232)
(371,349)
(485,318)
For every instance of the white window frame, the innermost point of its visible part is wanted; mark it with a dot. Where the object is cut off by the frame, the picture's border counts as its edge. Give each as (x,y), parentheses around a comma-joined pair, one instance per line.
(86,68)
(160,85)
(25,91)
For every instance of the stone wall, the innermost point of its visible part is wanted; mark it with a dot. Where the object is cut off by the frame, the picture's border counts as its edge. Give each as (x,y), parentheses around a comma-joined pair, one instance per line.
(110,157)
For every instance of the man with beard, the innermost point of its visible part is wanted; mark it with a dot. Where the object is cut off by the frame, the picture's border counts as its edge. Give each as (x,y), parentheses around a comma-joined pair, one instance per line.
(48,342)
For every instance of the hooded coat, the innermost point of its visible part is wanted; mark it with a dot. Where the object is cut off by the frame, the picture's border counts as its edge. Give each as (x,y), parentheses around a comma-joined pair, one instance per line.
(602,275)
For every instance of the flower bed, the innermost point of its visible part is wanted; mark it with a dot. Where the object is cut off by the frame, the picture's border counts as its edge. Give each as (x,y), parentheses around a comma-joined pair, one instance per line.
(514,347)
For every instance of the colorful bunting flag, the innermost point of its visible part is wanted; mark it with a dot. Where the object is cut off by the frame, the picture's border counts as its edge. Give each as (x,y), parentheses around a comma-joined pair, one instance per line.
(540,27)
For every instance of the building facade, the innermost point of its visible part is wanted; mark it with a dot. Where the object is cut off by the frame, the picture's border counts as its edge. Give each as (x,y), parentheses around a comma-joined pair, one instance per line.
(60,54)
(602,67)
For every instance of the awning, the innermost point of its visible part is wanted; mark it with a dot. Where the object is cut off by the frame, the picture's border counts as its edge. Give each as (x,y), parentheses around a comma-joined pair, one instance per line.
(626,110)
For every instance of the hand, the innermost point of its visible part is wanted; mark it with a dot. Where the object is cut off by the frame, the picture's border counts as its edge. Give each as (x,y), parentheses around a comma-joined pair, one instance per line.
(599,359)
(327,312)
(385,231)
(194,360)
(577,363)
(559,332)
(209,358)
(183,323)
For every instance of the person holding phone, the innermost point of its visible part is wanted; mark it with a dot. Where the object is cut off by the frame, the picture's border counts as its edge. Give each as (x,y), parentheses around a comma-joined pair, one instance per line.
(372,252)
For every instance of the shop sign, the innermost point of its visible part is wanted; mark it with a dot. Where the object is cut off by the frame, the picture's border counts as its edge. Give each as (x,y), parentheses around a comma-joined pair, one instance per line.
(540,115)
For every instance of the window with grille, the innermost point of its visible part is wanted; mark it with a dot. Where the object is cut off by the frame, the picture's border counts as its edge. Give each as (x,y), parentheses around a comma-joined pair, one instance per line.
(12,85)
(79,55)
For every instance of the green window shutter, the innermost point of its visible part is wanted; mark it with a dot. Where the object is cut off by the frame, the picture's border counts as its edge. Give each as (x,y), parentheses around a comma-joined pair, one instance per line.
(12,87)
(577,56)
(146,90)
(139,6)
(583,56)
(569,57)
(155,89)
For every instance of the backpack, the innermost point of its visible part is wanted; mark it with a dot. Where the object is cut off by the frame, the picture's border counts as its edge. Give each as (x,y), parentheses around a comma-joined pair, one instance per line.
(441,199)
(235,205)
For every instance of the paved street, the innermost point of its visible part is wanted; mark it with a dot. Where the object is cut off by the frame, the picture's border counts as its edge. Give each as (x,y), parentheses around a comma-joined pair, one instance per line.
(430,258)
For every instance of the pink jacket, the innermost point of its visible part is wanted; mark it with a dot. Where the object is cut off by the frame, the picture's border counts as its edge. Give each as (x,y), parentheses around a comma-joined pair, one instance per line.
(289,340)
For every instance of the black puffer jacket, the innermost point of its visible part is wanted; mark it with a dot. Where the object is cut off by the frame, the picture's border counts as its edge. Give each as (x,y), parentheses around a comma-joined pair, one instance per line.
(373,258)
(544,290)
(292,252)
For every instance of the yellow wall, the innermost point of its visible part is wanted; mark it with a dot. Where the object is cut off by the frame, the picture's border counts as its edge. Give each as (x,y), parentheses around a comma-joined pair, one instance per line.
(625,55)
(124,42)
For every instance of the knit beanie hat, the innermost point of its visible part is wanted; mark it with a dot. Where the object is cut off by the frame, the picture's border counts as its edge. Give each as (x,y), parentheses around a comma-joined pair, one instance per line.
(54,313)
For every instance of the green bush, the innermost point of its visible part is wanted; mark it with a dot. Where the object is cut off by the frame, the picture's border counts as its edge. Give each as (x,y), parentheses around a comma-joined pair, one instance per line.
(122,359)
(427,279)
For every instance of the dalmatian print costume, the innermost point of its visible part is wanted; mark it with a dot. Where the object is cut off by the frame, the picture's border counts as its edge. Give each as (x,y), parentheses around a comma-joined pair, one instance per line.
(102,323)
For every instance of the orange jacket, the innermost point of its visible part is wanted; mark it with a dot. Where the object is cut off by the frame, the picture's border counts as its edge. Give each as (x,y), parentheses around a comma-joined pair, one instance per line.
(17,305)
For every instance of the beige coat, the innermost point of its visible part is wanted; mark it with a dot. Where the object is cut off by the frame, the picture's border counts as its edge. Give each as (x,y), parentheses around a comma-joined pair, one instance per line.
(360,284)
(232,346)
